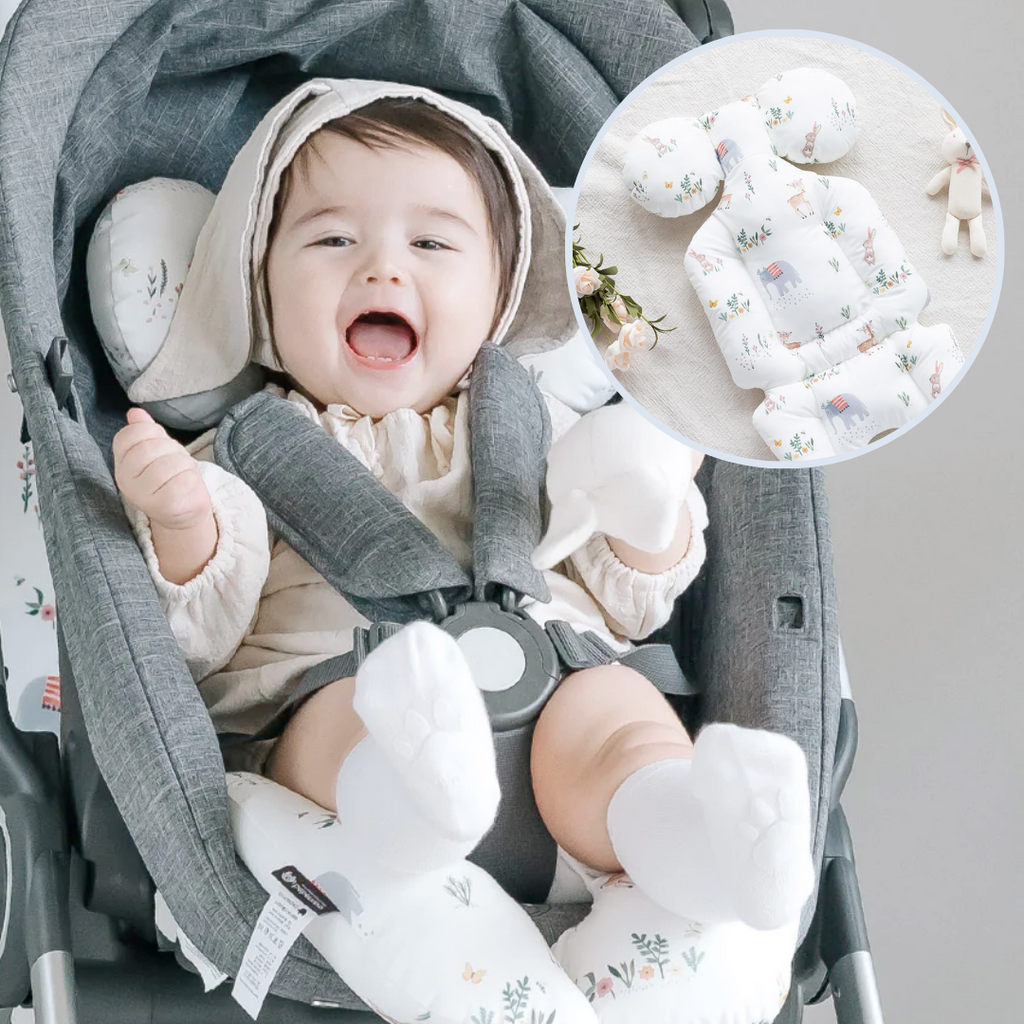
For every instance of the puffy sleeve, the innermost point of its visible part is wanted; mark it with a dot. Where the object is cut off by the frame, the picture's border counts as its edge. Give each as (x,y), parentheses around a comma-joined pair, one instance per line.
(637,603)
(211,613)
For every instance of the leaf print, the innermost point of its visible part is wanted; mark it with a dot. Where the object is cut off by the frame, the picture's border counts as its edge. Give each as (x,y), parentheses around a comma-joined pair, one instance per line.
(515,1000)
(693,958)
(26,471)
(904,398)
(758,236)
(460,888)
(591,990)
(39,608)
(655,951)
(626,973)
(484,1017)
(163,276)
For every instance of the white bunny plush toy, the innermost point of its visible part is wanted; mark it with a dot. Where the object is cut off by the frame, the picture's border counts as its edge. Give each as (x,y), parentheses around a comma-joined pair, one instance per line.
(964,177)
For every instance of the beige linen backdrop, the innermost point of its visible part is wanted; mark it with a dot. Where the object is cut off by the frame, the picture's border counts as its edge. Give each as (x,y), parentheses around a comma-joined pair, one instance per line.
(684,381)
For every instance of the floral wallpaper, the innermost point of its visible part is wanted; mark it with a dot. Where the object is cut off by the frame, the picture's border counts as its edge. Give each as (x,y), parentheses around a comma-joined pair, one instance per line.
(28,615)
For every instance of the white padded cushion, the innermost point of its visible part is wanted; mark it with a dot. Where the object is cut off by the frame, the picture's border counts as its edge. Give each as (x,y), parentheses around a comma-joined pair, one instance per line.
(572,374)
(670,168)
(446,944)
(637,962)
(138,257)
(794,102)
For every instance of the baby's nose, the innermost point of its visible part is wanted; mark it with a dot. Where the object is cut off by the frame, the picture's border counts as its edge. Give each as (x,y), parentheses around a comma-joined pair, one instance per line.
(382,266)
(392,276)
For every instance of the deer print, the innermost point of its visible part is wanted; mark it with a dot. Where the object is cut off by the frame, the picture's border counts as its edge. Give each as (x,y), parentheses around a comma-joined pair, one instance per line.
(705,263)
(869,331)
(810,137)
(936,381)
(725,202)
(869,248)
(660,146)
(800,199)
(784,338)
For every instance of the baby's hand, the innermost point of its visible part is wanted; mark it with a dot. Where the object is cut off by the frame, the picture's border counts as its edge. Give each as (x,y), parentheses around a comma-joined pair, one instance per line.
(157,475)
(615,473)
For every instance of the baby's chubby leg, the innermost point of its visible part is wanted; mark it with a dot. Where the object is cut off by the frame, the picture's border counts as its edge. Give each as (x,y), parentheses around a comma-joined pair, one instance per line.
(403,753)
(715,830)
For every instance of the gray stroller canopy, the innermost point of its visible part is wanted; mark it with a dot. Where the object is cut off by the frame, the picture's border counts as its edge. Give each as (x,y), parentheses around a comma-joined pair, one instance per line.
(95,97)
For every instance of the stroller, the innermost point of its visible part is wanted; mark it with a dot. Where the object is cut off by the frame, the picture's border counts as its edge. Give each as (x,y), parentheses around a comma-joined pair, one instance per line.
(134,799)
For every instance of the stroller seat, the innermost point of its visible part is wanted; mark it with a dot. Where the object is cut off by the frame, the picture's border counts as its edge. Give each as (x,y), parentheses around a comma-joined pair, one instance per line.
(135,799)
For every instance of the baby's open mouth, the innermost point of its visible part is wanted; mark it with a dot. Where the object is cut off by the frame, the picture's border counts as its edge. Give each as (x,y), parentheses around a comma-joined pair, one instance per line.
(381,337)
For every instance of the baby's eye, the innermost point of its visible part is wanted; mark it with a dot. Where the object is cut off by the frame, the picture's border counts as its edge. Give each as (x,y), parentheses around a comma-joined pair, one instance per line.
(430,244)
(335,242)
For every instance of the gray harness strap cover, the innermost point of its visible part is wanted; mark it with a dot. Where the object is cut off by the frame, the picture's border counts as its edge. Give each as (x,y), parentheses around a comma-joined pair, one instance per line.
(324,503)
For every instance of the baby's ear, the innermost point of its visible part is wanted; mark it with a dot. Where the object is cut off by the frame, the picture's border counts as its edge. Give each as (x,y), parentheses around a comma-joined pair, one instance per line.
(810,114)
(671,168)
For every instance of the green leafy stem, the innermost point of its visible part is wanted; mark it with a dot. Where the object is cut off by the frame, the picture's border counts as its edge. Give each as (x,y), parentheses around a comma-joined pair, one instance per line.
(598,305)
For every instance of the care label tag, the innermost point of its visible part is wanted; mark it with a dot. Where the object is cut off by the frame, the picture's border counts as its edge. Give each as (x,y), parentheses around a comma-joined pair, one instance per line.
(304,890)
(276,931)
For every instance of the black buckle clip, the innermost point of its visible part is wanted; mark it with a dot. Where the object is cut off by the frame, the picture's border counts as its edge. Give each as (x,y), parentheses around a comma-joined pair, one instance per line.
(61,379)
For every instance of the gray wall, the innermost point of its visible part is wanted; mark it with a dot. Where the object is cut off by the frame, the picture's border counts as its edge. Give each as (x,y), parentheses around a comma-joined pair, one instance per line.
(929,559)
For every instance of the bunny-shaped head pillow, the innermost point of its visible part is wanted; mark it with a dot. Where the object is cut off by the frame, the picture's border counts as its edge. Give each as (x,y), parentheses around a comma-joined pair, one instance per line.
(673,167)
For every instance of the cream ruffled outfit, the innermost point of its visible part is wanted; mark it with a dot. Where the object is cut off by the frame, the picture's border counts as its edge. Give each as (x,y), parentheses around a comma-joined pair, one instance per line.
(258,615)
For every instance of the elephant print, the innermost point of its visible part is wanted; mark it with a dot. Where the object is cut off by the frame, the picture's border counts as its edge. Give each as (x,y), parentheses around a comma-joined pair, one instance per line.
(729,154)
(847,408)
(936,380)
(779,275)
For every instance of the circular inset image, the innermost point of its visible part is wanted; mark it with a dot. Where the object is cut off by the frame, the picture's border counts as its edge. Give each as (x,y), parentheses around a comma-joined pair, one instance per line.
(767,244)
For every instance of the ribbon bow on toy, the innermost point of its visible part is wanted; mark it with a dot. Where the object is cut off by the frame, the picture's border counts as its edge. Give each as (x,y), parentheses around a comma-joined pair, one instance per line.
(971,161)
(615,473)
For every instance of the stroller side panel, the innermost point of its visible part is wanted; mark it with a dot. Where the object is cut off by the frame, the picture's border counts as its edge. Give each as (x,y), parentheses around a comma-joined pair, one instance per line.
(764,611)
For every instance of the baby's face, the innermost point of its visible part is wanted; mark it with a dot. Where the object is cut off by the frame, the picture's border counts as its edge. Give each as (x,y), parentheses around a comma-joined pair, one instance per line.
(381,276)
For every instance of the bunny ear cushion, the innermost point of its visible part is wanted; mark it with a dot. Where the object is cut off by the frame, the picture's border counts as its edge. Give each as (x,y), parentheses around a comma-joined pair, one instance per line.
(671,169)
(810,114)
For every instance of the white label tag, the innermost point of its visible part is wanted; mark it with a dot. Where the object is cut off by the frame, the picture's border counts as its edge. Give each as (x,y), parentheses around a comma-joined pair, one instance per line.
(212,975)
(277,929)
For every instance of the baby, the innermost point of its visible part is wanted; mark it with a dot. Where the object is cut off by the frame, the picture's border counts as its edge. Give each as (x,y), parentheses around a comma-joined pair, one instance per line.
(398,243)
